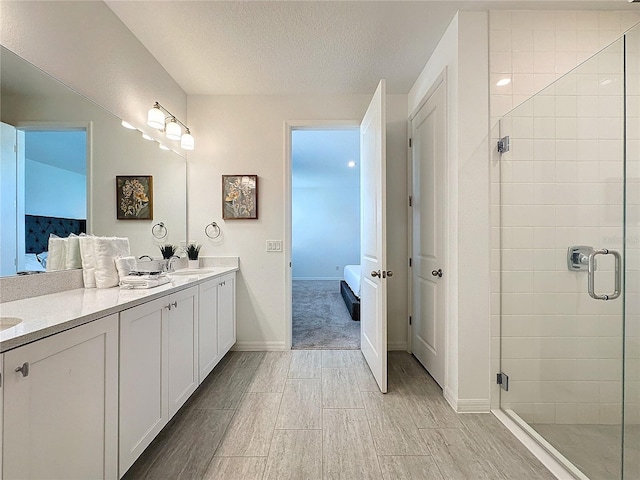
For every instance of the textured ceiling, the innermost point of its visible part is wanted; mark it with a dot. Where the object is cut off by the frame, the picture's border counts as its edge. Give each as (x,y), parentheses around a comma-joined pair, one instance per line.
(308,47)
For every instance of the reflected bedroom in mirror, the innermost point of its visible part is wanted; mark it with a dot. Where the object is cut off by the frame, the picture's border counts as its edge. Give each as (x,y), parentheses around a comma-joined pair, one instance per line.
(61,154)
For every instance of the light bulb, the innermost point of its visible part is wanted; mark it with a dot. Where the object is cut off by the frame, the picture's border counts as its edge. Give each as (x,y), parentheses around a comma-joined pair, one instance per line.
(155,118)
(173,130)
(187,142)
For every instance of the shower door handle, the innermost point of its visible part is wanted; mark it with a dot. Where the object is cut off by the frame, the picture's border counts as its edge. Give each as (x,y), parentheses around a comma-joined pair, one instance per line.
(618,274)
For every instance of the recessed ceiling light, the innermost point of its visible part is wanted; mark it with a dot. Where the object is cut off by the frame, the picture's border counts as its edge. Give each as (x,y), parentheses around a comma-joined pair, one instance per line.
(503,81)
(351,164)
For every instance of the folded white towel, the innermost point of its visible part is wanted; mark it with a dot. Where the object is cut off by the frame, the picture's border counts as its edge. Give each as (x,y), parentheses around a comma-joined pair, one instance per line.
(57,259)
(143,281)
(88,261)
(73,257)
(125,265)
(106,250)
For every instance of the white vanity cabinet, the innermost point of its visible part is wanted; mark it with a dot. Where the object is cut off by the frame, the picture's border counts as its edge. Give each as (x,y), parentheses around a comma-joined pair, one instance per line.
(216,321)
(61,405)
(158,368)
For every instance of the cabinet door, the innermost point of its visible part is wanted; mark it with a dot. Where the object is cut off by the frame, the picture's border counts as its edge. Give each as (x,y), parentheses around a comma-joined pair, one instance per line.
(208,353)
(183,347)
(143,378)
(61,409)
(226,313)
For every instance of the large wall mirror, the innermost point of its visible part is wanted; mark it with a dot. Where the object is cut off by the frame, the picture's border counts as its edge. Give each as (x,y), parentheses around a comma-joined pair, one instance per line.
(61,154)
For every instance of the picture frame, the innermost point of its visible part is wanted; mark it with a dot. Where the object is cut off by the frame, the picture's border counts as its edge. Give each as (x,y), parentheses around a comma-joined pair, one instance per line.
(134,197)
(239,197)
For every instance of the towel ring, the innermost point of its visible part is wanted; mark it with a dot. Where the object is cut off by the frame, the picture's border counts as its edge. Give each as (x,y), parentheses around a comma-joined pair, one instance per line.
(213,226)
(159,231)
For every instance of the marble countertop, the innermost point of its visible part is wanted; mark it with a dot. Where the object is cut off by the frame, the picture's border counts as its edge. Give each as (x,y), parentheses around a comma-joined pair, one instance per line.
(46,315)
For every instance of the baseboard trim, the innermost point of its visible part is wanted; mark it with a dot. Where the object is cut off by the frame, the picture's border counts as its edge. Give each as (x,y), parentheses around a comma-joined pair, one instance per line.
(466,405)
(258,346)
(474,405)
(450,397)
(397,346)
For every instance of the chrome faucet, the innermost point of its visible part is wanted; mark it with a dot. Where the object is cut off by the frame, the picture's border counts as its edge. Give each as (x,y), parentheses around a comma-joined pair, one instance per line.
(170,263)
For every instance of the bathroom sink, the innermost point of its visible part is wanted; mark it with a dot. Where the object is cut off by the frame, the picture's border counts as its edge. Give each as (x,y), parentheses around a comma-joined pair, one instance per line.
(8,322)
(192,271)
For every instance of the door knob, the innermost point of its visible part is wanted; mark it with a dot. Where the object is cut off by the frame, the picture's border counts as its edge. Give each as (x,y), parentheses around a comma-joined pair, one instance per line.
(389,273)
(376,274)
(437,273)
(24,369)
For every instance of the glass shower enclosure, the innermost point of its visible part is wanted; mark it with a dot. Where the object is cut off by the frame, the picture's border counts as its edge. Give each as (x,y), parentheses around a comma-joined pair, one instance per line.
(570,265)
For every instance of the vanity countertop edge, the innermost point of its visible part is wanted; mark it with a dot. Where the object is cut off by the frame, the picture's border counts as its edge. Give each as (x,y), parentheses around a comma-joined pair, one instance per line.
(47,315)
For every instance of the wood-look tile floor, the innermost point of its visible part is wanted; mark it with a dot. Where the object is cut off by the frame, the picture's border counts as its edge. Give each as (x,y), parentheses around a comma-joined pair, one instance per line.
(319,415)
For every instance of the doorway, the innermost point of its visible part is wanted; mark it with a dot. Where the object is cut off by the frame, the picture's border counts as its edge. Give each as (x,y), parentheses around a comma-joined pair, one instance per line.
(325,221)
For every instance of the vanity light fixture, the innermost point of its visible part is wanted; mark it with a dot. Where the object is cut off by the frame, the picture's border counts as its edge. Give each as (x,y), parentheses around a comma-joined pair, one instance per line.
(162,119)
(187,142)
(172,130)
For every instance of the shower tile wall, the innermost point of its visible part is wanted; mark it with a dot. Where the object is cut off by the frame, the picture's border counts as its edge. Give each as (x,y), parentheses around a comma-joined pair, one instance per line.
(534,49)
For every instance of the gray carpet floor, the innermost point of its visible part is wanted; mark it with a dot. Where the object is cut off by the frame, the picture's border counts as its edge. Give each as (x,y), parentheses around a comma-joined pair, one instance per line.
(320,317)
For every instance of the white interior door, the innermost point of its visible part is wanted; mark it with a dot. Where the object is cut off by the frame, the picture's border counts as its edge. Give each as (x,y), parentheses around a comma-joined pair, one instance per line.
(428,222)
(373,291)
(8,212)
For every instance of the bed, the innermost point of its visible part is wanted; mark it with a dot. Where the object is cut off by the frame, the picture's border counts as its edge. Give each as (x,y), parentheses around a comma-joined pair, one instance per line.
(350,290)
(38,228)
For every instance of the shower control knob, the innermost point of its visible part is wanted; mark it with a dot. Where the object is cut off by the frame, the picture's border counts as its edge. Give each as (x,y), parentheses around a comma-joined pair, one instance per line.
(437,273)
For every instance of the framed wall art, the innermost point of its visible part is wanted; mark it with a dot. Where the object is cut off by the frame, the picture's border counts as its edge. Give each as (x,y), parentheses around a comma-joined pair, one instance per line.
(239,197)
(134,197)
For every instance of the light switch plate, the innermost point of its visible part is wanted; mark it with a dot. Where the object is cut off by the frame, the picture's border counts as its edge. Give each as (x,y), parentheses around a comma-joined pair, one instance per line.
(274,245)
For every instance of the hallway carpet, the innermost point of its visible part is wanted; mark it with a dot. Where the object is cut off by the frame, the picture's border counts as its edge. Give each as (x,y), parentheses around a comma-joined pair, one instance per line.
(320,317)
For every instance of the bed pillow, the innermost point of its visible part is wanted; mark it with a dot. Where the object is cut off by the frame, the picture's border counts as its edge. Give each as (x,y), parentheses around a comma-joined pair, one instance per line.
(57,259)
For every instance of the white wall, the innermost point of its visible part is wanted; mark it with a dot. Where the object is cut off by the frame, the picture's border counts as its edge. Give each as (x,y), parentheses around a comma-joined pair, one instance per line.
(326,231)
(463,53)
(247,136)
(54,192)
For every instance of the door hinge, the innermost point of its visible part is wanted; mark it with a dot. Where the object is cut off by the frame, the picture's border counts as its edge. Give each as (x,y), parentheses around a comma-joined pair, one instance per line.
(410,201)
(502,379)
(503,144)
(410,143)
(0,380)
(409,319)
(410,262)
(15,149)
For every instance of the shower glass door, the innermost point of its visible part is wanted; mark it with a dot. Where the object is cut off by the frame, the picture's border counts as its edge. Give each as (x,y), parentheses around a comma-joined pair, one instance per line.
(632,257)
(562,265)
